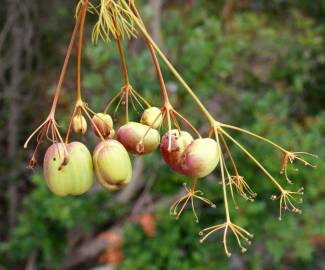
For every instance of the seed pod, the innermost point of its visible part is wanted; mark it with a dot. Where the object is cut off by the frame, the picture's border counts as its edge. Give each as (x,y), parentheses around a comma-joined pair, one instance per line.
(79,124)
(138,139)
(112,165)
(70,174)
(104,124)
(200,158)
(152,117)
(179,143)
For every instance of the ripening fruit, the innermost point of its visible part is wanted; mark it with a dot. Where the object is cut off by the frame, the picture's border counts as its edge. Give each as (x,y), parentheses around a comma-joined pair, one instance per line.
(200,158)
(79,124)
(138,139)
(104,124)
(71,175)
(112,165)
(179,143)
(152,117)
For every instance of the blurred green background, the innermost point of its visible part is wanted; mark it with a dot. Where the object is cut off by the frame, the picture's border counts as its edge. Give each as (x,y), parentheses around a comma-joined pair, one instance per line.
(257,64)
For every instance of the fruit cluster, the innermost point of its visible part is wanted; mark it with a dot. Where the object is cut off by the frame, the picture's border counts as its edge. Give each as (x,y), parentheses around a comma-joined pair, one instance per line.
(68,167)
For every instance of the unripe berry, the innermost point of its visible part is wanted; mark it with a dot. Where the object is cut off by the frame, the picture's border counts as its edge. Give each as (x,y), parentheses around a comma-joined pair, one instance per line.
(152,117)
(179,143)
(79,124)
(138,139)
(70,174)
(104,124)
(200,158)
(112,165)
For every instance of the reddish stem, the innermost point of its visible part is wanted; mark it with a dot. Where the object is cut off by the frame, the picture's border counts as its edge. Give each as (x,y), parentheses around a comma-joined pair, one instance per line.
(154,58)
(65,66)
(124,68)
(79,48)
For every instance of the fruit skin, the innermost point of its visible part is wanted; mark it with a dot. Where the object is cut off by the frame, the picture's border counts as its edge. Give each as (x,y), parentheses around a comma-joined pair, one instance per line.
(79,124)
(179,143)
(112,165)
(200,158)
(75,177)
(132,137)
(152,117)
(104,124)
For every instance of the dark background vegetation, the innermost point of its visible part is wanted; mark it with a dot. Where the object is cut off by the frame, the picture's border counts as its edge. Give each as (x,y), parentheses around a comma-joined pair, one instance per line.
(257,64)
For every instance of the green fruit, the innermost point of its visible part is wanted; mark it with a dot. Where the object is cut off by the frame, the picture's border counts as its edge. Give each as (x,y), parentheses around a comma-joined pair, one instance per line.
(71,174)
(152,117)
(138,139)
(104,124)
(112,165)
(79,124)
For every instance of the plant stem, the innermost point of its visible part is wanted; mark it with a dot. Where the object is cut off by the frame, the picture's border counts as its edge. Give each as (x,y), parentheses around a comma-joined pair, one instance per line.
(65,65)
(194,184)
(254,135)
(123,63)
(79,49)
(154,58)
(253,159)
(224,189)
(232,161)
(171,67)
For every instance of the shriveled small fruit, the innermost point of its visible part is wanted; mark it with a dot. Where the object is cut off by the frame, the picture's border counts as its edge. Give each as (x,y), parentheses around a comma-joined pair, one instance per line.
(112,165)
(79,124)
(152,117)
(179,142)
(200,158)
(138,139)
(104,124)
(71,174)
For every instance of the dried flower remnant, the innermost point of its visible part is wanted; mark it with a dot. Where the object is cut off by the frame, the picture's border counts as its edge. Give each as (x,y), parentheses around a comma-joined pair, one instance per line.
(192,193)
(290,158)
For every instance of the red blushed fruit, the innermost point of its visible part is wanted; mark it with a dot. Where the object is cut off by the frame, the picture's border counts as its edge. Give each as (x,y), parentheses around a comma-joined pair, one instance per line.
(138,139)
(179,143)
(200,158)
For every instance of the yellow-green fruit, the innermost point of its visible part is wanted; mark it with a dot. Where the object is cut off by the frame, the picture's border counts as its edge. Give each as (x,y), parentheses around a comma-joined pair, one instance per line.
(70,174)
(200,158)
(112,165)
(104,124)
(79,124)
(172,147)
(152,117)
(138,139)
